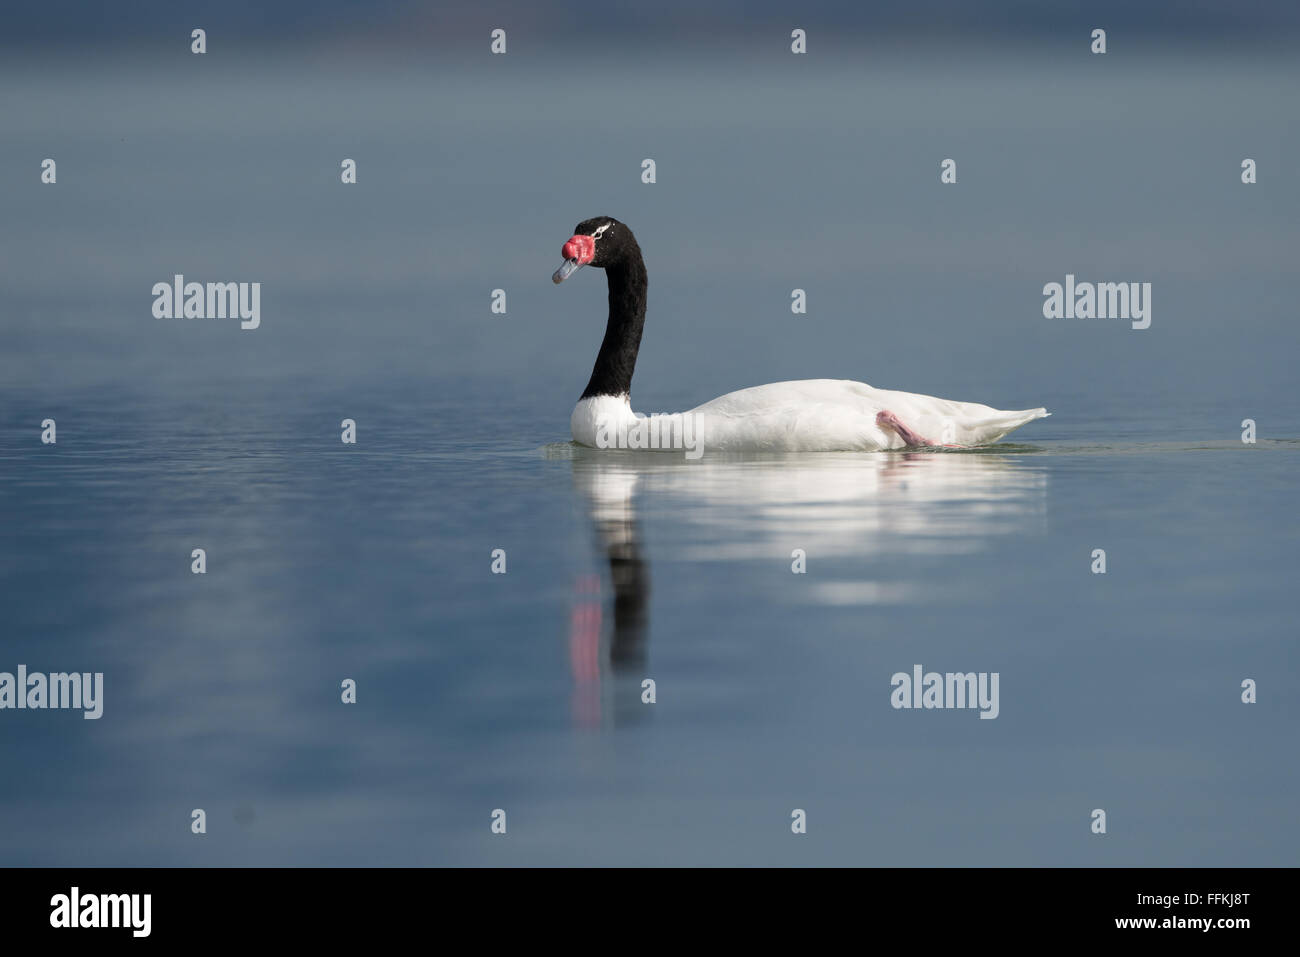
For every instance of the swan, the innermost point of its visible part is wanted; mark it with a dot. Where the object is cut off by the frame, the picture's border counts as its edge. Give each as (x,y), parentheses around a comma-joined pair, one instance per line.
(809,415)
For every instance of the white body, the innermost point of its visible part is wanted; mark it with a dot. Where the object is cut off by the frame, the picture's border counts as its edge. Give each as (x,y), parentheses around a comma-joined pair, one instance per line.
(809,415)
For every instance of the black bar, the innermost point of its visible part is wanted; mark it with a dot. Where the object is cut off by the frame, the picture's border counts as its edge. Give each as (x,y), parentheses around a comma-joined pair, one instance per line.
(334,906)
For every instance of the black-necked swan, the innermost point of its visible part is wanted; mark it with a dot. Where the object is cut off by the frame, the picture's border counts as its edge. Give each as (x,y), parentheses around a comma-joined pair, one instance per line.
(809,415)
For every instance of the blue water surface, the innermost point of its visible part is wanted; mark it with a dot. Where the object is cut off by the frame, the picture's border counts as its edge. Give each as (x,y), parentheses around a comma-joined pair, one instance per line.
(523,691)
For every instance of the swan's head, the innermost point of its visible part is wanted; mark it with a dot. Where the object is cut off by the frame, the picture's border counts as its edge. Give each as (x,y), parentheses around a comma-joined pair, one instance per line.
(601,242)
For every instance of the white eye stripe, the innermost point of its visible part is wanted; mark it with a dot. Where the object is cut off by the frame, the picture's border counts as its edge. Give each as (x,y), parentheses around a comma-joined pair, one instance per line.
(600,232)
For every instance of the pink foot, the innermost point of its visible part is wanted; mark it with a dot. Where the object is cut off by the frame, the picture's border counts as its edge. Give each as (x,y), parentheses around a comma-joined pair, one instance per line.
(891,423)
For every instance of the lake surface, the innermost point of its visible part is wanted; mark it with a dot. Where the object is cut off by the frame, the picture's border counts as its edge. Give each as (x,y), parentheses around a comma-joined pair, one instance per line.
(523,691)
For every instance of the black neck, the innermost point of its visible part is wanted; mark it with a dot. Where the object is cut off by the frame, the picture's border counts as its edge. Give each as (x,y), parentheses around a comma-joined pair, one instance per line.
(612,374)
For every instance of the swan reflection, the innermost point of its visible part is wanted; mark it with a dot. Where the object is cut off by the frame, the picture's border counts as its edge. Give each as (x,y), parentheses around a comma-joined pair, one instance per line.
(762,508)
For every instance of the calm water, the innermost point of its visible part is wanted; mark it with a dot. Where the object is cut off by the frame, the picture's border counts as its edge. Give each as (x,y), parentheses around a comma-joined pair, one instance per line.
(523,691)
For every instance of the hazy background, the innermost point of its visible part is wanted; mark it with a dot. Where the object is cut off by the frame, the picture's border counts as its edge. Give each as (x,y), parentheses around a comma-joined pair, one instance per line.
(775,171)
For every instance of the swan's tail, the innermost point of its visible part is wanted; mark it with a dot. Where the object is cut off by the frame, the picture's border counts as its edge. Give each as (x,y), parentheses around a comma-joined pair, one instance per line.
(994,427)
